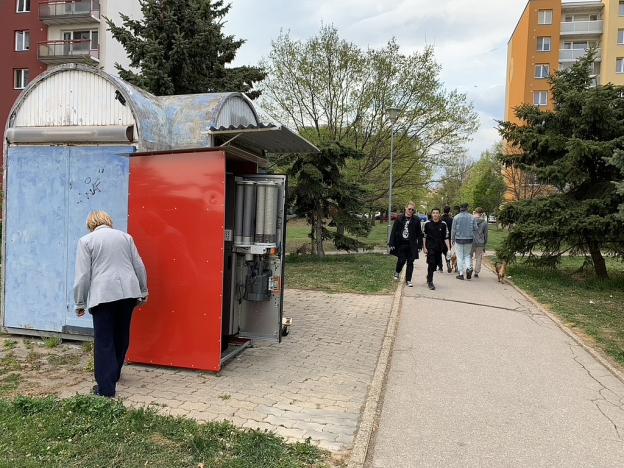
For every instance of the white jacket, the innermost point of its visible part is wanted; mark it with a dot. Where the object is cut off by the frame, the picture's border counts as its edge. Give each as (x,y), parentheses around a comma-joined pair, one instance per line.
(108,268)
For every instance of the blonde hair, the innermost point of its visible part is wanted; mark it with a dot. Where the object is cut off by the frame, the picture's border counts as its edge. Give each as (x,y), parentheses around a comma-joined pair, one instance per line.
(99,218)
(410,203)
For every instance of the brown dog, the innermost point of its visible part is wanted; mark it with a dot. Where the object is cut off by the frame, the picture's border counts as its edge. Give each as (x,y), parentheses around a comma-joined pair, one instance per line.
(454,263)
(501,270)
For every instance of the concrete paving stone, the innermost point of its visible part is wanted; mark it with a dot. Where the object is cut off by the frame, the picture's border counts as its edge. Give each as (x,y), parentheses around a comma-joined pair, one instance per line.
(250,415)
(295,434)
(331,446)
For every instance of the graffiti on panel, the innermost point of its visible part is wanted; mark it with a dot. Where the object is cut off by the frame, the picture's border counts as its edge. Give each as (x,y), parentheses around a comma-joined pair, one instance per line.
(90,186)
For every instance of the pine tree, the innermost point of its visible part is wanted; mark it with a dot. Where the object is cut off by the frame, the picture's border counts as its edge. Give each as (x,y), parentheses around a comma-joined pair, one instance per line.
(322,194)
(572,148)
(179,47)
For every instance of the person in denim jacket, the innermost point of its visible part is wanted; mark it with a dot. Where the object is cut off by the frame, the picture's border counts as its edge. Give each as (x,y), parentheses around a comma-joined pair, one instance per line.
(462,236)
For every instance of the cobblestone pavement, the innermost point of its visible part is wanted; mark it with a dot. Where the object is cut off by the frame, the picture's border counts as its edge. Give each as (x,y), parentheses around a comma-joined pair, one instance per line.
(314,384)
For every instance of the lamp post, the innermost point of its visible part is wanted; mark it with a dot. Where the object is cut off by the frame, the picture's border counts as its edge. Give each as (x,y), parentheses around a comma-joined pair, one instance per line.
(393,114)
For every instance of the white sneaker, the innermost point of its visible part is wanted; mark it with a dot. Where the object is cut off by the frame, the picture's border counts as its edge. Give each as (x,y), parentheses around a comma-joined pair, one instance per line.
(396,277)
(410,284)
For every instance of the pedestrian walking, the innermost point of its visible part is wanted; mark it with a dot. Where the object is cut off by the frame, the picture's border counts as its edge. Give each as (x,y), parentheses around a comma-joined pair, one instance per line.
(447,217)
(462,235)
(436,239)
(405,241)
(110,280)
(480,240)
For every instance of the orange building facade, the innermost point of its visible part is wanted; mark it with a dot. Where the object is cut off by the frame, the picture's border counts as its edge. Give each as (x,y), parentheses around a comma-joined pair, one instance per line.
(552,35)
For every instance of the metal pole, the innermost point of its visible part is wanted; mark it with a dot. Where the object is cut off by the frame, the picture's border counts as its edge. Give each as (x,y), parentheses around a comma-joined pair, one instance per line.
(390,186)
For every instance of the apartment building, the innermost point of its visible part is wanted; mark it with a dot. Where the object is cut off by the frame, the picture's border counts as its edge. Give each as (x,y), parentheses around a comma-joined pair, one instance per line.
(40,34)
(552,35)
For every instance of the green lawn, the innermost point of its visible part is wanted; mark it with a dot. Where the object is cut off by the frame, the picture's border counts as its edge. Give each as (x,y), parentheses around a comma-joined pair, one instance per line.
(86,431)
(496,236)
(357,273)
(588,305)
(297,231)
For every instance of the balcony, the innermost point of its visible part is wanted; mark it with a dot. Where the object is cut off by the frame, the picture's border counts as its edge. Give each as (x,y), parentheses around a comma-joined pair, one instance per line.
(70,12)
(581,28)
(56,52)
(572,55)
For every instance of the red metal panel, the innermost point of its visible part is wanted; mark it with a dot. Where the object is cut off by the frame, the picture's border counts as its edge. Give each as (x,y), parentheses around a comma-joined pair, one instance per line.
(176,209)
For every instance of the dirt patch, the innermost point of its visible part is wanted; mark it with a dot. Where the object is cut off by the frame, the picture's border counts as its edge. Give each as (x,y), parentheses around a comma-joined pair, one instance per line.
(30,367)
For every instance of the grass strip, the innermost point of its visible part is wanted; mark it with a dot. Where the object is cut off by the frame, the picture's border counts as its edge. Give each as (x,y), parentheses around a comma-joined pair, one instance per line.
(97,432)
(360,274)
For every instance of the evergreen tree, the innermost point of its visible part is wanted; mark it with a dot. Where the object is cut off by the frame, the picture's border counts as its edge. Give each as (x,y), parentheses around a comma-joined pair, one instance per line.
(323,195)
(179,48)
(571,148)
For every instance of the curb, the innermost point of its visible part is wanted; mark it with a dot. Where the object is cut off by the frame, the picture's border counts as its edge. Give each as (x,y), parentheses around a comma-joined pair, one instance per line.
(617,373)
(370,413)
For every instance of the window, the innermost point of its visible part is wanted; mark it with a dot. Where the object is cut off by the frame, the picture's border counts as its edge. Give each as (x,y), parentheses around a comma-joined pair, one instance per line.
(21,76)
(22,40)
(23,6)
(619,65)
(540,98)
(544,16)
(542,70)
(543,44)
(593,17)
(620,36)
(621,8)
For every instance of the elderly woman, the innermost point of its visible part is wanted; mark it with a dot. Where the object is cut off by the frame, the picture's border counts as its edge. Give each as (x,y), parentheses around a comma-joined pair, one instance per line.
(110,281)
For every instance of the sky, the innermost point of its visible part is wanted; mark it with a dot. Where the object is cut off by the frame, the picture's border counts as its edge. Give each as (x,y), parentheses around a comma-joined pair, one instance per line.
(469,36)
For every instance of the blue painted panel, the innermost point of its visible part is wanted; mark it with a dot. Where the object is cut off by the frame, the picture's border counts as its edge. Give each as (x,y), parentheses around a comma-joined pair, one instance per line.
(36,263)
(98,180)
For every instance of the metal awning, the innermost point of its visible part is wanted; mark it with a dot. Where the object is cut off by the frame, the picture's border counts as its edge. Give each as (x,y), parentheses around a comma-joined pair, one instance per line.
(270,138)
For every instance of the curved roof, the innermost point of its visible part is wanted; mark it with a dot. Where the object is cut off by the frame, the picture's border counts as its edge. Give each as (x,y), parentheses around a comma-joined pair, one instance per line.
(73,95)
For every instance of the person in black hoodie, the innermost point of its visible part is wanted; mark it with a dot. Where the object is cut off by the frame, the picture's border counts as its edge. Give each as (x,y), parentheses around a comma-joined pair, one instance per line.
(436,242)
(447,217)
(405,241)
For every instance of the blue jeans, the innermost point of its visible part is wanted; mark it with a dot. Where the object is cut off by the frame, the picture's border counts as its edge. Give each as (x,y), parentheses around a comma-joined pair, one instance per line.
(464,257)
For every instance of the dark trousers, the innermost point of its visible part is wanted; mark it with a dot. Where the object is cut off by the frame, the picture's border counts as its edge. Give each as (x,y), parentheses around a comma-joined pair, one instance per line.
(111,328)
(434,261)
(405,255)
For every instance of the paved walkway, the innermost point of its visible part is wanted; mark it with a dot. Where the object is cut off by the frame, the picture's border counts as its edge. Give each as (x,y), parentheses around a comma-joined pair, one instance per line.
(480,377)
(314,384)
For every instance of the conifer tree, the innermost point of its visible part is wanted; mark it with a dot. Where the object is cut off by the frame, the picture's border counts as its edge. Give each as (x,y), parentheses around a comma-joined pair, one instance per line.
(573,149)
(179,47)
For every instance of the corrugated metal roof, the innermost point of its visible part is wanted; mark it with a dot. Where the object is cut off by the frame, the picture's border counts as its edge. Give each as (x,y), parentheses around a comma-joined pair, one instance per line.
(75,95)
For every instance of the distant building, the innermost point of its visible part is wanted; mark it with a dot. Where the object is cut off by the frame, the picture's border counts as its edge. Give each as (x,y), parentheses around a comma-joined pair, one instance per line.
(552,35)
(39,34)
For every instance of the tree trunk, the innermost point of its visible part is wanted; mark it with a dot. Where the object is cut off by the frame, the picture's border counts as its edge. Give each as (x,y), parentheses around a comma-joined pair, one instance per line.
(318,234)
(598,260)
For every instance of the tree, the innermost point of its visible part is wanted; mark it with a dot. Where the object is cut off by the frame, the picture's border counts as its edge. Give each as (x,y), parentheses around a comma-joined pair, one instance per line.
(179,47)
(571,149)
(331,90)
(449,188)
(485,185)
(324,197)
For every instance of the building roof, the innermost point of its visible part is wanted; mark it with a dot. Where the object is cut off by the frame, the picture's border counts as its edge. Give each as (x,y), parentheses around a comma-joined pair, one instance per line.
(72,95)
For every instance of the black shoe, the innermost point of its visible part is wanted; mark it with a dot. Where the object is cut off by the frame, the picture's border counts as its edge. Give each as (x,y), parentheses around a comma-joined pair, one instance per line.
(476,275)
(468,274)
(440,269)
(431,286)
(460,277)
(96,391)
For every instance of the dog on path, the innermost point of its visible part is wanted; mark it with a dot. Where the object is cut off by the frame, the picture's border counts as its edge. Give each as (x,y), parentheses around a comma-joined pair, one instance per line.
(501,270)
